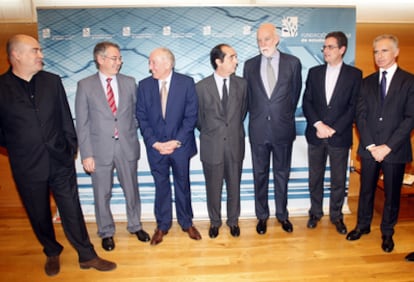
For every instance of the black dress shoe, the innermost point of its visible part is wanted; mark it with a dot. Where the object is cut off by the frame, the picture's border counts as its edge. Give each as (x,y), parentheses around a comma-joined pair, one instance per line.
(356,234)
(235,231)
(410,257)
(312,222)
(108,243)
(340,226)
(387,244)
(261,226)
(213,232)
(142,235)
(286,225)
(52,266)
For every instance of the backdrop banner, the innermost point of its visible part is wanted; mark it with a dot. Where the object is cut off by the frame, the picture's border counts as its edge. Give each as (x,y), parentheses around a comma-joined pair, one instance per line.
(68,37)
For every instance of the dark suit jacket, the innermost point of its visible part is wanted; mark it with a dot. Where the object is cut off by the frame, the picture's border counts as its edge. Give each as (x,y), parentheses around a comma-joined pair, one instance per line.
(340,112)
(216,129)
(180,119)
(35,134)
(390,123)
(95,122)
(280,108)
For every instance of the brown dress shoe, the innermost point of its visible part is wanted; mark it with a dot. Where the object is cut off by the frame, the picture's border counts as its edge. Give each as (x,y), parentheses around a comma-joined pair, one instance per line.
(52,266)
(99,264)
(157,237)
(193,233)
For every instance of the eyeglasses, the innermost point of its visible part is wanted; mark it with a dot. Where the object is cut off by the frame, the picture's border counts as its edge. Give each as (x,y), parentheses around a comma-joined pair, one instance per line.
(329,47)
(114,59)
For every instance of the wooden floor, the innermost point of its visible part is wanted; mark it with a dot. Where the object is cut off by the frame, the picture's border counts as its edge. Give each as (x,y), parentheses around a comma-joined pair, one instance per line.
(304,255)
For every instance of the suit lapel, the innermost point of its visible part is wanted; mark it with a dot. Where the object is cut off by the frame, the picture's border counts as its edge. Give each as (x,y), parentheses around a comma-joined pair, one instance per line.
(121,95)
(234,102)
(258,74)
(395,81)
(215,94)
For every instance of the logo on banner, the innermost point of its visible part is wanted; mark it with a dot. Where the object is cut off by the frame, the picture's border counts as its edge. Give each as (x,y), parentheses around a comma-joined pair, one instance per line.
(290,27)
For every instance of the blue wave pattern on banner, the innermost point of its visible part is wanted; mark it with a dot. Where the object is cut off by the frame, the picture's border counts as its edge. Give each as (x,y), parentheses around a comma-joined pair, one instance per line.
(68,37)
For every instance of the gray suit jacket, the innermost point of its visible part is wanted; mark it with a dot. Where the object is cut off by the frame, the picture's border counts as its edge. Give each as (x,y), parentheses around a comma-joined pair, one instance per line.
(95,122)
(216,129)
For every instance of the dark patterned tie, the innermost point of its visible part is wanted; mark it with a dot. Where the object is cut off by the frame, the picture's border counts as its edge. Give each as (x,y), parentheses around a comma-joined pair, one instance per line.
(384,85)
(225,97)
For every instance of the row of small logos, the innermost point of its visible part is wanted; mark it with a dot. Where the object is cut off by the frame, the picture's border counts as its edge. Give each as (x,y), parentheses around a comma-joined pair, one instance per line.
(289,28)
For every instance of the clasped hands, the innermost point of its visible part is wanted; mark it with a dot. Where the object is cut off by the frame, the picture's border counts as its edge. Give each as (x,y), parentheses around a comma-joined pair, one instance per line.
(324,131)
(379,152)
(166,148)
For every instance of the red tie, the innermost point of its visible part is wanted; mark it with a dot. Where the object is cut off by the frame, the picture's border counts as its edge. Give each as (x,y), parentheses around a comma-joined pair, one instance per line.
(111,101)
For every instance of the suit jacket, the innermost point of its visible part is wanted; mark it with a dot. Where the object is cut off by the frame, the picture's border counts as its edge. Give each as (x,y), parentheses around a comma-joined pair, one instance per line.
(390,122)
(180,118)
(217,129)
(95,123)
(280,108)
(340,112)
(36,130)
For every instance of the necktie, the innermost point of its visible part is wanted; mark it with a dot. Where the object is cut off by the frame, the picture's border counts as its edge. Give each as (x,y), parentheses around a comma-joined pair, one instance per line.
(111,101)
(271,79)
(225,97)
(384,85)
(164,95)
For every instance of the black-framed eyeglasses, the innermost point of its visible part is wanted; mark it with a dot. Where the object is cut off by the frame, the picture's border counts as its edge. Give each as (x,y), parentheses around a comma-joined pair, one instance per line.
(329,47)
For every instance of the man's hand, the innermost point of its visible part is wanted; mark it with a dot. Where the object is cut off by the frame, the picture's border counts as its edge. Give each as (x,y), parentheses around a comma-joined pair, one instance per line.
(324,131)
(89,164)
(166,148)
(379,152)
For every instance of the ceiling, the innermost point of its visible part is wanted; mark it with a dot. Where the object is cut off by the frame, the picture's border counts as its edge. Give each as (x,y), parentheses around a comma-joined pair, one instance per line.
(367,11)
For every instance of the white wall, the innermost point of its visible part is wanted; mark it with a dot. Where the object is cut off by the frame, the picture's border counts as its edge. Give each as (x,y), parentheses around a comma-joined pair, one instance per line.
(372,11)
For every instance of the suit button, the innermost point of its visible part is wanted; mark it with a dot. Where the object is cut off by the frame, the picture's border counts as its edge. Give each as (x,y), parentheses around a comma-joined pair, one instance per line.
(380,119)
(268,117)
(116,119)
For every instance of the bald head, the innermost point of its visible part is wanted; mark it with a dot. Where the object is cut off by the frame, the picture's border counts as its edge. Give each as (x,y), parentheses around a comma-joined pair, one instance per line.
(25,55)
(16,42)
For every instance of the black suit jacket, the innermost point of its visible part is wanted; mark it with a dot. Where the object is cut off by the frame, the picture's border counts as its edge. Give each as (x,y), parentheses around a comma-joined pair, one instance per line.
(340,112)
(280,108)
(36,131)
(389,122)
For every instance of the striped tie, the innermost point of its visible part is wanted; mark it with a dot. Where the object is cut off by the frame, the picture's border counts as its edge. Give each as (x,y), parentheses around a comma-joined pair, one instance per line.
(111,101)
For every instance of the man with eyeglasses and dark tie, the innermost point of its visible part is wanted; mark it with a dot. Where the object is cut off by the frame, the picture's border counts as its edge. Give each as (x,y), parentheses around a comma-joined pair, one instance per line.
(329,104)
(385,119)
(107,130)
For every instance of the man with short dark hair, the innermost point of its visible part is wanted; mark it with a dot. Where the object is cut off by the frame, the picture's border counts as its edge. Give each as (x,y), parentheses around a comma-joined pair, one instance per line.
(222,104)
(329,106)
